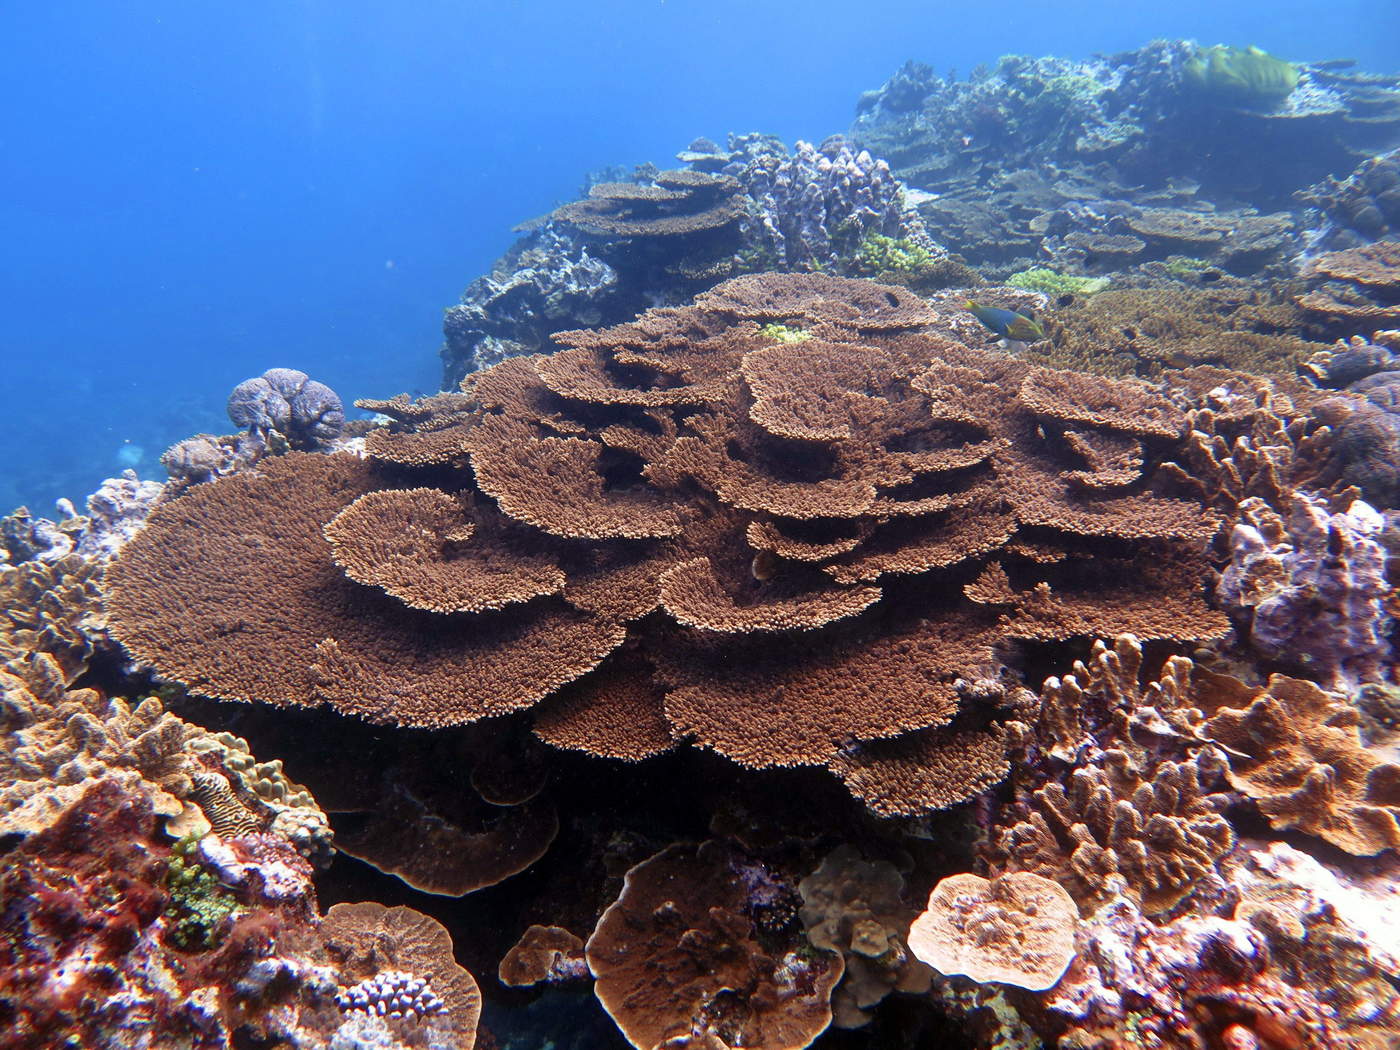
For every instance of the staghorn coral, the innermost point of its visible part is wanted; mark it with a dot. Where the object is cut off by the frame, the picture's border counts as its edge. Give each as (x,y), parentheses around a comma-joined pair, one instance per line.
(1014,929)
(803,517)
(1295,750)
(855,907)
(1142,331)
(678,957)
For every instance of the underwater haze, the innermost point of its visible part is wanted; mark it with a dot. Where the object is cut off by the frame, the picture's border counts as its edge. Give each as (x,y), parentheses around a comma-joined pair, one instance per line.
(191,194)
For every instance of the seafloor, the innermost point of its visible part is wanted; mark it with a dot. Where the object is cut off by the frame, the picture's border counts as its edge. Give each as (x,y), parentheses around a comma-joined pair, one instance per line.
(756,647)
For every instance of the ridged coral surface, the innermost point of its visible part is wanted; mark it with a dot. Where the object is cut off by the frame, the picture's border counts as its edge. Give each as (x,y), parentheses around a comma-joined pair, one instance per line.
(802,515)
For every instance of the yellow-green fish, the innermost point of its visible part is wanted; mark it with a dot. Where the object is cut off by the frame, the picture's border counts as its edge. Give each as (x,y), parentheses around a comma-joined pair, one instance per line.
(1008,324)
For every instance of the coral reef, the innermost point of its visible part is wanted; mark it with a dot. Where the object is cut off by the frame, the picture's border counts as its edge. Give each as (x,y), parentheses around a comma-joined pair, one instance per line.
(760,495)
(1128,157)
(116,939)
(1363,207)
(662,236)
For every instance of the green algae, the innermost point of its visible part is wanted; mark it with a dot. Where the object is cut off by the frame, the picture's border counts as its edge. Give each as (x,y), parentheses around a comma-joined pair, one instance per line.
(1054,284)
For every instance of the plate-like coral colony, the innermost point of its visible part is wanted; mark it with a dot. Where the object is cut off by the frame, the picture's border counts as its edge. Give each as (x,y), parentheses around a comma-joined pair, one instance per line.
(810,658)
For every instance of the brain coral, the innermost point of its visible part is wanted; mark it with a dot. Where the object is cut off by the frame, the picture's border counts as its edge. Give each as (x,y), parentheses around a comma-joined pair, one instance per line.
(797,541)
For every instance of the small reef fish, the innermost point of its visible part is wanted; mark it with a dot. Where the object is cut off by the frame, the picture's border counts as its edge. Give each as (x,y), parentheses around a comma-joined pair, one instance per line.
(1008,324)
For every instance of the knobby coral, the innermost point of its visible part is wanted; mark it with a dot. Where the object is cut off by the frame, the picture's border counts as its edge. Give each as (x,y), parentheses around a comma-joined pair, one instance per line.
(816,523)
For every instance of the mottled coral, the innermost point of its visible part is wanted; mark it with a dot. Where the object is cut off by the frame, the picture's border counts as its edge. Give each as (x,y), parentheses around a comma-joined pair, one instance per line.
(786,506)
(855,907)
(678,957)
(1014,929)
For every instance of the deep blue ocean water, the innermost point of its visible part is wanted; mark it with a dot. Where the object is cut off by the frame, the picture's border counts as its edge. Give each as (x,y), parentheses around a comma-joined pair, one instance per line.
(191,193)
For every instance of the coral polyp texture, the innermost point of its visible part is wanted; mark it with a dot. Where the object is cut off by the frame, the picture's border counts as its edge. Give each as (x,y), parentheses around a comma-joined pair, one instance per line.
(788,538)
(680,957)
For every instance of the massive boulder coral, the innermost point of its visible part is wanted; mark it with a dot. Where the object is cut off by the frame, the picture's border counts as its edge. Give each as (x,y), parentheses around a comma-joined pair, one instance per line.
(804,545)
(1014,929)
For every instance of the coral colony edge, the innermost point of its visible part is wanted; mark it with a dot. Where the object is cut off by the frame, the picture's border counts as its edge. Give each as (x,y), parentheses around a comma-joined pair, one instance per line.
(754,645)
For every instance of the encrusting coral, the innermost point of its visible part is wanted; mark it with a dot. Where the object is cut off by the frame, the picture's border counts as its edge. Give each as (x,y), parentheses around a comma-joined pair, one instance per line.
(855,907)
(679,956)
(804,515)
(1015,929)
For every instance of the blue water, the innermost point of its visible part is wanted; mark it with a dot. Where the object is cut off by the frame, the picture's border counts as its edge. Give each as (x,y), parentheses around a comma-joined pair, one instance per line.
(191,193)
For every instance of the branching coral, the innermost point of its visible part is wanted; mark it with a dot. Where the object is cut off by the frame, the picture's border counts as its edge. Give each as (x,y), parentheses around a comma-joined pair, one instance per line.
(1126,802)
(803,515)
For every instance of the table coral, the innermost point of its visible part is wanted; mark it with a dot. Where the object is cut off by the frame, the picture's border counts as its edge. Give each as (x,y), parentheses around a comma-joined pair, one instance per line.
(759,495)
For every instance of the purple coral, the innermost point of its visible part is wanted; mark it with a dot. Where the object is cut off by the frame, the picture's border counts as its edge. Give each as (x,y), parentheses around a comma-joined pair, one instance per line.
(1315,586)
(812,209)
(305,412)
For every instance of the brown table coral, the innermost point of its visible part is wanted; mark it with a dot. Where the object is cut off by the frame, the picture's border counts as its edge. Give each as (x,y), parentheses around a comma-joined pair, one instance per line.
(779,532)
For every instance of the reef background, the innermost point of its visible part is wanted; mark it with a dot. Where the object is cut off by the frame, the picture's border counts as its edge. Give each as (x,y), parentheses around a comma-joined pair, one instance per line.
(189,199)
